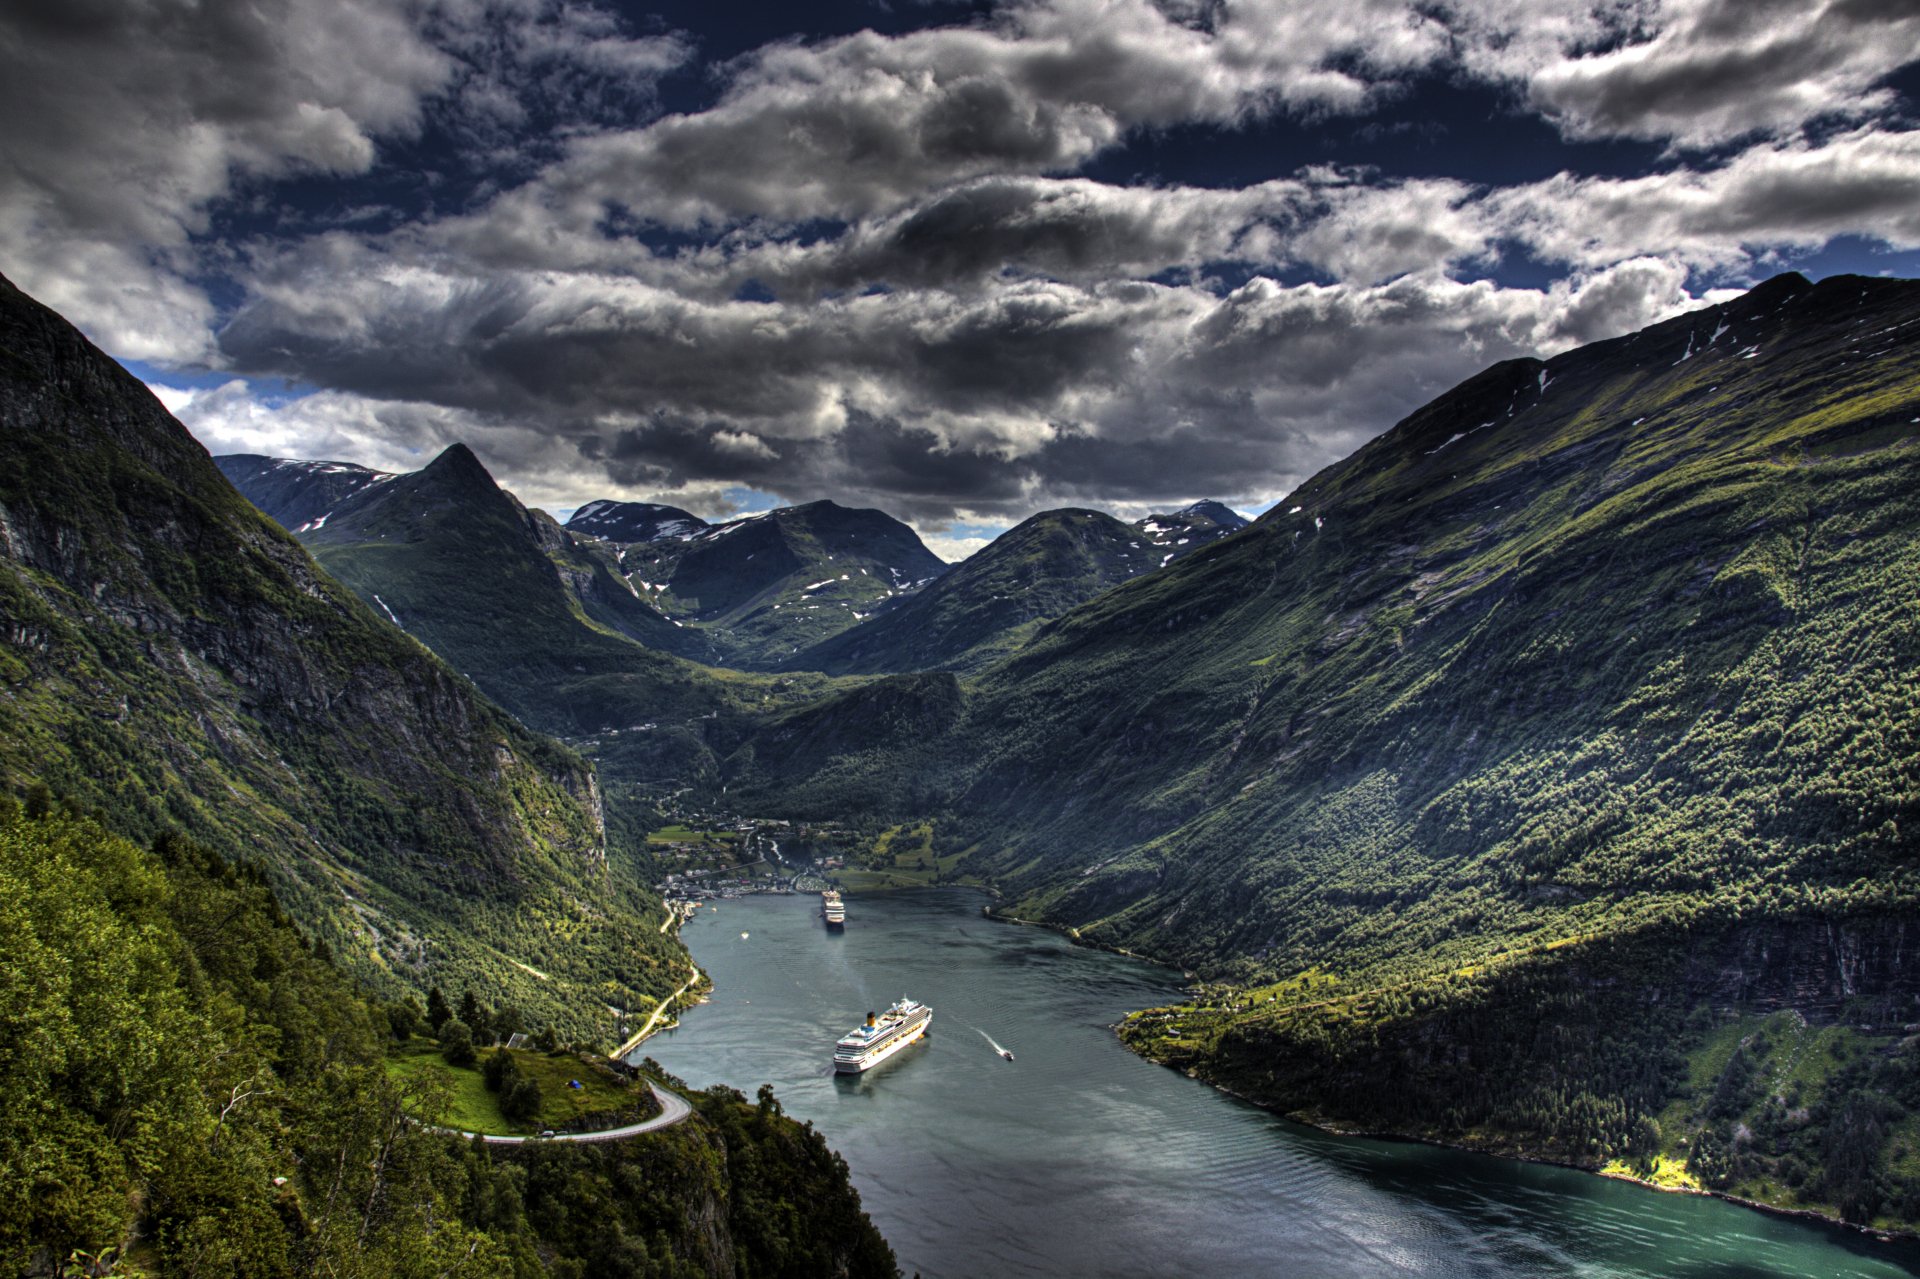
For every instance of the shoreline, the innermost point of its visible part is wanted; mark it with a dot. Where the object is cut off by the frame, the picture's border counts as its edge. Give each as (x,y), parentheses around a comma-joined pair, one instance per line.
(1812,1215)
(1805,1215)
(1073,935)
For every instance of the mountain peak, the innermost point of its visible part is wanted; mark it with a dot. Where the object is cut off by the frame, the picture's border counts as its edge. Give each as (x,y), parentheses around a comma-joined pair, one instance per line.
(459,475)
(458,462)
(1217,511)
(1191,527)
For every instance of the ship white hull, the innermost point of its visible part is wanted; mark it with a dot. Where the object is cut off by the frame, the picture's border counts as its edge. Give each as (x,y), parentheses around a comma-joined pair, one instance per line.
(868,1061)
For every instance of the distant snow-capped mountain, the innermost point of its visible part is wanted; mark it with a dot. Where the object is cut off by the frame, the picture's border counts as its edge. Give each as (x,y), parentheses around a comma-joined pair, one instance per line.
(634,521)
(299,495)
(1190,528)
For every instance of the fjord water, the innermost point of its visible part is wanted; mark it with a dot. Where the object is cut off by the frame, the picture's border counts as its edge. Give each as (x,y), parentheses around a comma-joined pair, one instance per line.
(1077,1158)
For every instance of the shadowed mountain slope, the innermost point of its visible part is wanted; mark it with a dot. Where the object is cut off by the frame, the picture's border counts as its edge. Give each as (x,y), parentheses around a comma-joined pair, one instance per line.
(987,605)
(293,492)
(174,659)
(1190,528)
(634,521)
(538,618)
(766,586)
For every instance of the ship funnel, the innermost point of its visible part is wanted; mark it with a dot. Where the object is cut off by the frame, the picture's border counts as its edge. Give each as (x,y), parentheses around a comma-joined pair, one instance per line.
(870,1019)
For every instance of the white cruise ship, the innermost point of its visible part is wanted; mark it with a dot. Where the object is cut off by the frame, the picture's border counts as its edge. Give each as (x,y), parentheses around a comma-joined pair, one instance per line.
(833,908)
(881,1037)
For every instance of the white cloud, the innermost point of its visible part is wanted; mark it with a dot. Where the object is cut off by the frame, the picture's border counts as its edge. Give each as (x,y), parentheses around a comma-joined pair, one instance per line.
(1373,233)
(857,126)
(970,326)
(1715,70)
(126,125)
(952,549)
(742,444)
(864,125)
(1864,183)
(236,417)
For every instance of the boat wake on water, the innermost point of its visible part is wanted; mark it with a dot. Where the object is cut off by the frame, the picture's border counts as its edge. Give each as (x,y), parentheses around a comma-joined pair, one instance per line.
(995,1043)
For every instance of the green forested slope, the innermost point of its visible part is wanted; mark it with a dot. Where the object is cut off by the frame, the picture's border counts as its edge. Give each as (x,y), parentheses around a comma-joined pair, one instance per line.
(187,1088)
(171,657)
(1581,638)
(1620,645)
(1581,643)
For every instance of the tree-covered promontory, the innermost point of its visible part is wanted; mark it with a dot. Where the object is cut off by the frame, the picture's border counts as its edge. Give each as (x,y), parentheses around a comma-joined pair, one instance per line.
(189,1087)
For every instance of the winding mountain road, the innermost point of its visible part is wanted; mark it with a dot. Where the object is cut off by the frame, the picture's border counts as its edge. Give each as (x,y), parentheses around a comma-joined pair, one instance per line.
(673,1109)
(639,1036)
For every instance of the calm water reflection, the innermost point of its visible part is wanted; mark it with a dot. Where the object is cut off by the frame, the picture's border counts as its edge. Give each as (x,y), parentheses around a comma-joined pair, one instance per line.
(1078,1158)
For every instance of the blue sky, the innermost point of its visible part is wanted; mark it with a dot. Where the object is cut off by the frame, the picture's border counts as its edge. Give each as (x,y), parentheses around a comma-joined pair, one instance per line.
(959,261)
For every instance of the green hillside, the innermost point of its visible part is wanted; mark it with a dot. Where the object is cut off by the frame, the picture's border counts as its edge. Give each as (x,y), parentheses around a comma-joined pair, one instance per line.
(1574,670)
(174,660)
(192,1090)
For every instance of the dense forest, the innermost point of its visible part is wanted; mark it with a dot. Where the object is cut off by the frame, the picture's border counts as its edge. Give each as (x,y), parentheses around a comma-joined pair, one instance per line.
(189,1087)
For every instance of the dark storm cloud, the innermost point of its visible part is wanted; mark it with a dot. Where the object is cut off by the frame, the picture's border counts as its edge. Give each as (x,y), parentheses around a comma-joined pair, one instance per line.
(873,461)
(1014,352)
(943,403)
(1086,470)
(1066,229)
(960,323)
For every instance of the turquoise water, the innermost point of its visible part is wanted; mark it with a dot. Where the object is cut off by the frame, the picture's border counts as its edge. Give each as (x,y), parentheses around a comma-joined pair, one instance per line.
(1077,1158)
